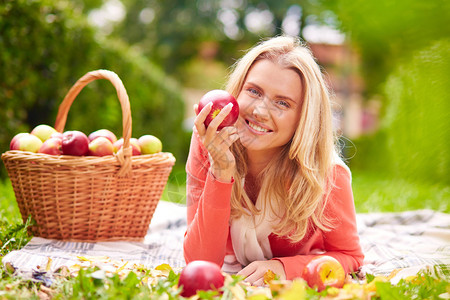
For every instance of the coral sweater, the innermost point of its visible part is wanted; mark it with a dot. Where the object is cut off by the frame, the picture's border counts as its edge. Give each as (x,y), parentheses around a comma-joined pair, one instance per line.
(208,212)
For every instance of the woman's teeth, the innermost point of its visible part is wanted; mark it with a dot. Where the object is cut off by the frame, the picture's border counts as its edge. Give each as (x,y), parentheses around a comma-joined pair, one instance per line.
(257,128)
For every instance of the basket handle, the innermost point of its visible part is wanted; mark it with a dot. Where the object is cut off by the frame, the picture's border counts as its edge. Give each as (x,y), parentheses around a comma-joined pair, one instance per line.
(123,155)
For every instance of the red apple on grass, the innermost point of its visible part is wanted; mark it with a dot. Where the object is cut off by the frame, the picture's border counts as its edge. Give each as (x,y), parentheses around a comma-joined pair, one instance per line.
(219,99)
(101,146)
(200,275)
(75,142)
(26,142)
(134,142)
(52,146)
(149,144)
(43,131)
(103,132)
(323,271)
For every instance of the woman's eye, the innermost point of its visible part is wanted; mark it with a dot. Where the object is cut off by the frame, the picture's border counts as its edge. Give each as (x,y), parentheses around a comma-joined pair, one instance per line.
(283,103)
(254,92)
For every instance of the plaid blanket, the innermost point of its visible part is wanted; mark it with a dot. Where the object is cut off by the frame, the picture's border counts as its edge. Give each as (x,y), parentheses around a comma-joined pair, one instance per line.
(406,242)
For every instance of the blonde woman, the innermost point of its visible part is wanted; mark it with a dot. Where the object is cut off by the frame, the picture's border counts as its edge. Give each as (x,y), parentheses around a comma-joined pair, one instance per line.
(270,192)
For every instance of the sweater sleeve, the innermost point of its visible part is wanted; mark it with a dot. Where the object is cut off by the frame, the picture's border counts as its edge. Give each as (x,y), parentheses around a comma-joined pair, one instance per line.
(342,242)
(208,208)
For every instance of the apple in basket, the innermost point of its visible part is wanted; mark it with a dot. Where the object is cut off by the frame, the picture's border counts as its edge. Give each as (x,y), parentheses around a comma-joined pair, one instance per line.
(323,271)
(200,275)
(25,142)
(52,146)
(75,142)
(150,144)
(104,133)
(134,142)
(101,146)
(43,131)
(219,98)
(57,135)
(13,145)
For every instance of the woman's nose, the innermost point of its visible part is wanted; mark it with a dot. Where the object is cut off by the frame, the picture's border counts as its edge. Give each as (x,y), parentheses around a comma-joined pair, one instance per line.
(261,110)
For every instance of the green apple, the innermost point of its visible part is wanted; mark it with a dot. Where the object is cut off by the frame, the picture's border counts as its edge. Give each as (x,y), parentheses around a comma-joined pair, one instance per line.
(28,142)
(150,144)
(43,131)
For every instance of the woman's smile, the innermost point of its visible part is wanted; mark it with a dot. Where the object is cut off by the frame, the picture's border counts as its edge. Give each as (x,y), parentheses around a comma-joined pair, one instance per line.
(257,128)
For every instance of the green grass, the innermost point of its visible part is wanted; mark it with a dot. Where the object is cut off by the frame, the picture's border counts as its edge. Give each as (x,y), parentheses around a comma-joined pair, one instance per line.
(372,192)
(378,193)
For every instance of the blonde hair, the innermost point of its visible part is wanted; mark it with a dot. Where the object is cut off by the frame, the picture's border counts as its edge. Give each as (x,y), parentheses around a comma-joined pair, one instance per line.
(297,180)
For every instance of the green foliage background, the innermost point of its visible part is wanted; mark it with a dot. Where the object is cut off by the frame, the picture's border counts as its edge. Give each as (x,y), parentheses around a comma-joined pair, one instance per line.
(46,46)
(405,53)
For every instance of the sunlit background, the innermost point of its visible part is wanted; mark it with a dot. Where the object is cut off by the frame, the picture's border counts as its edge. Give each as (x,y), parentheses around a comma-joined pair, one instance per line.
(387,63)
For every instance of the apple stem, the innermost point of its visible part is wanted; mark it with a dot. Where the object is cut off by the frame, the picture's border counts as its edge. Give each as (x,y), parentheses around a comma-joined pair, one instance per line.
(329,272)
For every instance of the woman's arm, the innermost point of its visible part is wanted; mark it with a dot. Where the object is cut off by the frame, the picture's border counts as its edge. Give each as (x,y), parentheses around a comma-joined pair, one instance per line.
(208,208)
(342,242)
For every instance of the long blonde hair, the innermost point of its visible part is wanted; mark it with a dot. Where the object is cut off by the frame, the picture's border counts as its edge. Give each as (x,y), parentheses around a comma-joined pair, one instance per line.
(297,180)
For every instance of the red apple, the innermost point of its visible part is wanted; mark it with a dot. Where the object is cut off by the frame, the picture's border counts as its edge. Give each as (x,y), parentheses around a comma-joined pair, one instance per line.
(43,131)
(134,142)
(26,142)
(75,143)
(200,275)
(323,271)
(13,143)
(52,146)
(219,99)
(103,132)
(150,144)
(101,146)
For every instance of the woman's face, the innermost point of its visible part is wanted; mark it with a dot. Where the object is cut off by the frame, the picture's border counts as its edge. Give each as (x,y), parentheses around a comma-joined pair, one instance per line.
(269,106)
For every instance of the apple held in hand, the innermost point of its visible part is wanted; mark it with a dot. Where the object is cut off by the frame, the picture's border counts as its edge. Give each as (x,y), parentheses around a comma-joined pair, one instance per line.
(150,144)
(26,142)
(101,146)
(103,132)
(52,146)
(134,142)
(323,271)
(200,275)
(75,143)
(43,131)
(219,99)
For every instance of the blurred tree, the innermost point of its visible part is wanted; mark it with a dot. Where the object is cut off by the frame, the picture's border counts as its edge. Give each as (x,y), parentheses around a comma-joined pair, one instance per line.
(417,119)
(387,33)
(173,32)
(405,53)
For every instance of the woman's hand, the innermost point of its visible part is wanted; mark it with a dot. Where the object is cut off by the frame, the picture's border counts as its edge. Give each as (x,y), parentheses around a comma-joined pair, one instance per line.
(254,272)
(217,142)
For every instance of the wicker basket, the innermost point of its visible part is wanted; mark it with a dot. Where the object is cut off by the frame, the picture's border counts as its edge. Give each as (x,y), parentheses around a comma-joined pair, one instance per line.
(87,198)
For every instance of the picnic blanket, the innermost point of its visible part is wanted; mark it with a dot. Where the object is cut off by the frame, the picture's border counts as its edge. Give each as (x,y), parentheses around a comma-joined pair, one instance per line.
(407,242)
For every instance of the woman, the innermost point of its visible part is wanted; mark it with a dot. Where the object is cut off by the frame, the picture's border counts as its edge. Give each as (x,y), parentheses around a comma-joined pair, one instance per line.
(271,193)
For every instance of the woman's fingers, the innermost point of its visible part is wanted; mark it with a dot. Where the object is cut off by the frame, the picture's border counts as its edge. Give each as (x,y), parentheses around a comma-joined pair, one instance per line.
(255,271)
(201,117)
(217,120)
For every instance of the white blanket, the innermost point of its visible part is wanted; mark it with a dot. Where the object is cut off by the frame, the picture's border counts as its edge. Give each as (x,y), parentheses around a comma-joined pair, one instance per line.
(410,241)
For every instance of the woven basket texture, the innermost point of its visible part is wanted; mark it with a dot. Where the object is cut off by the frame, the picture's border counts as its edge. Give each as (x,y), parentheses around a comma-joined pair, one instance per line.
(89,198)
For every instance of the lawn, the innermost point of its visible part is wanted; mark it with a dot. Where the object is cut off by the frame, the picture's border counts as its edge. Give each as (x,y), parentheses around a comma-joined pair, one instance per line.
(372,192)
